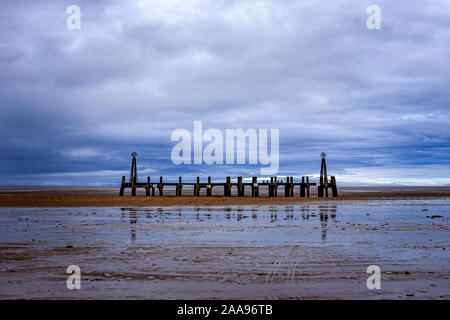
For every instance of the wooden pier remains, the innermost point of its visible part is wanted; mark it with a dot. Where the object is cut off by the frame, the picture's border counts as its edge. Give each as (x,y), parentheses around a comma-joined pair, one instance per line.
(322,189)
(253,187)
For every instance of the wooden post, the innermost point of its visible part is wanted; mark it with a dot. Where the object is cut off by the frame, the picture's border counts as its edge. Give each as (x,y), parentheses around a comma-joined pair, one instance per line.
(133,174)
(271,187)
(122,187)
(292,186)
(227,188)
(334,186)
(240,187)
(307,187)
(275,187)
(323,186)
(209,188)
(287,187)
(179,187)
(320,186)
(147,187)
(133,187)
(160,186)
(302,188)
(255,187)
(197,187)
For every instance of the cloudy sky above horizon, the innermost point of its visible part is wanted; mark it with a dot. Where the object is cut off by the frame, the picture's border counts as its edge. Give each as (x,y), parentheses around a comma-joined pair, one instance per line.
(75,103)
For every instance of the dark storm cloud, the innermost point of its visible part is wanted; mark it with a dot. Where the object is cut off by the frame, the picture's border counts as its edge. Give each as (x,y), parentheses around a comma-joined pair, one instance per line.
(75,103)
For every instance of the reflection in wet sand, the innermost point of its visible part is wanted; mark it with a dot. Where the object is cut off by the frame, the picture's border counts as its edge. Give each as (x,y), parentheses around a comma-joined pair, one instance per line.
(315,250)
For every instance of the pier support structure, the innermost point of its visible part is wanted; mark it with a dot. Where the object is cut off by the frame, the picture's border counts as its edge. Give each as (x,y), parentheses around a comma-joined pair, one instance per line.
(322,188)
(133,183)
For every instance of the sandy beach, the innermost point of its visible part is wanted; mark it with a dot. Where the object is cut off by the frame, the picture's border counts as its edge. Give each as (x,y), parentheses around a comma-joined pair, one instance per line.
(108,197)
(313,249)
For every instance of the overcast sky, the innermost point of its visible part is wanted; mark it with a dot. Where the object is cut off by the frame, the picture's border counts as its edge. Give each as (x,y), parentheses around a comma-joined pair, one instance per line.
(76,103)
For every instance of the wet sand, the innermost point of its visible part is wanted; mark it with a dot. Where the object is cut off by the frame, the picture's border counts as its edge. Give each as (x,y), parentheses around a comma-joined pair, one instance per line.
(314,250)
(108,197)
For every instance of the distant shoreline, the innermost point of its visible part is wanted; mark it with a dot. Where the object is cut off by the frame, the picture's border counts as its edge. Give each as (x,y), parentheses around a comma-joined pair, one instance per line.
(108,197)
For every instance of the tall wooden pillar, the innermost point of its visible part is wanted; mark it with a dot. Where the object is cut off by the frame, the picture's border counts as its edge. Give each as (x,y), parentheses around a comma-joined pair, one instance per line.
(133,187)
(323,185)
(133,174)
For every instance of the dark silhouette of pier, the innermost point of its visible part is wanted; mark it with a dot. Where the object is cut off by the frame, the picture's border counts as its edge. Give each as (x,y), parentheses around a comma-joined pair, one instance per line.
(253,188)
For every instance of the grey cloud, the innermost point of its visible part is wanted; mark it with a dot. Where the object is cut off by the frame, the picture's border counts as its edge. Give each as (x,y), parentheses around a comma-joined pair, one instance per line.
(129,77)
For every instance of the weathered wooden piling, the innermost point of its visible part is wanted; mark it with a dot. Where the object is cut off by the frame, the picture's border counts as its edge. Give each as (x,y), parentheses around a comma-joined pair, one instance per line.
(160,186)
(293,187)
(240,187)
(322,188)
(302,188)
(179,187)
(122,186)
(307,187)
(255,187)
(334,186)
(147,187)
(274,184)
(227,188)
(289,187)
(197,188)
(269,187)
